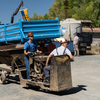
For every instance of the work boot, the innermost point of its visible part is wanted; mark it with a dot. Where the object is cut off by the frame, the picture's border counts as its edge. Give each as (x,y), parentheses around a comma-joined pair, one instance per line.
(47,80)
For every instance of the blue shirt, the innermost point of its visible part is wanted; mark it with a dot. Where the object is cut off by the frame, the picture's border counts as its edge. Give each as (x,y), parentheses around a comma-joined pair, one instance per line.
(30,47)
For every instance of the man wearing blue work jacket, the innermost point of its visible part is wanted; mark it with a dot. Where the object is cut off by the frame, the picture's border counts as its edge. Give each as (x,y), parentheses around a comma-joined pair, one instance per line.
(29,47)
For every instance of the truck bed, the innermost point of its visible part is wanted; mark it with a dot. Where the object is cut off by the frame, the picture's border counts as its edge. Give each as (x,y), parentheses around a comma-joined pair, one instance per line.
(17,32)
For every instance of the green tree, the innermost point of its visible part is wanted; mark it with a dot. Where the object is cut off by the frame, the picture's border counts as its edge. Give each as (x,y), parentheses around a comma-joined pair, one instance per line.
(84,12)
(90,10)
(96,13)
(78,9)
(40,17)
(57,10)
(46,17)
(34,17)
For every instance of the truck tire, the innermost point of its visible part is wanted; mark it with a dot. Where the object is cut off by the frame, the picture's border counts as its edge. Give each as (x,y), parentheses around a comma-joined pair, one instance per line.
(2,77)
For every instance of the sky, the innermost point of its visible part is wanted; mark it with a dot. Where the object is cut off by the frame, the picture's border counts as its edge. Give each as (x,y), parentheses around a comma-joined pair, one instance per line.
(8,7)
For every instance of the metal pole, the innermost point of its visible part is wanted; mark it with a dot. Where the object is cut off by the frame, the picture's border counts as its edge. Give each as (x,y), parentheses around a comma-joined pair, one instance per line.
(66,4)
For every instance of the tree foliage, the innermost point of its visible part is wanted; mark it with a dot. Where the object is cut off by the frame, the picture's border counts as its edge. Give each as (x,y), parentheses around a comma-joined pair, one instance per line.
(57,10)
(96,13)
(78,9)
(34,17)
(46,16)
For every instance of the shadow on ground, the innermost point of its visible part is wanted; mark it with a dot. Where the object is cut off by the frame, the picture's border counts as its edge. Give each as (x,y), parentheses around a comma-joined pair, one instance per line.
(70,91)
(61,93)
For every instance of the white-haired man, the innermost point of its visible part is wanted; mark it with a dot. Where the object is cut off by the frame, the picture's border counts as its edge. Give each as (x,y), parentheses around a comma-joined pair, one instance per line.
(62,50)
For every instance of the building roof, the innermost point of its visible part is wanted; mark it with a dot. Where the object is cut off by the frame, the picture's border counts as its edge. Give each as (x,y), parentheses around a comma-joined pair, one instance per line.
(87,21)
(95,30)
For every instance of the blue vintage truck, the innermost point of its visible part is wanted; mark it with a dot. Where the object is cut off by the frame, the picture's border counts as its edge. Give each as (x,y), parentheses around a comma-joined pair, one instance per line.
(16,33)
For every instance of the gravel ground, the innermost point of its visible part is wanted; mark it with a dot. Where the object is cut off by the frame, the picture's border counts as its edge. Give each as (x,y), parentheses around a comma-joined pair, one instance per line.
(85,79)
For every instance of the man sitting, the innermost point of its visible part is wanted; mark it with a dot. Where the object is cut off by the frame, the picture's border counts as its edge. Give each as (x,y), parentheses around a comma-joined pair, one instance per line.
(62,50)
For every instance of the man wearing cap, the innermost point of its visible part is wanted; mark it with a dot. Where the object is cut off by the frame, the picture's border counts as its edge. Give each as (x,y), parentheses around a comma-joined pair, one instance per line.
(75,44)
(29,47)
(62,50)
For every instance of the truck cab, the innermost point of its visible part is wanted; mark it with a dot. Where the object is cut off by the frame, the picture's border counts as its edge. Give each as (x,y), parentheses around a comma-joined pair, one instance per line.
(71,26)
